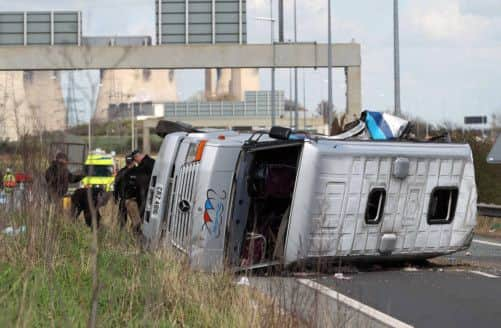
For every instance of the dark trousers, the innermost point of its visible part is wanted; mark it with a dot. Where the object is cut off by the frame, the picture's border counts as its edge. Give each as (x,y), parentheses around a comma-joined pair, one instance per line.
(80,203)
(122,213)
(87,215)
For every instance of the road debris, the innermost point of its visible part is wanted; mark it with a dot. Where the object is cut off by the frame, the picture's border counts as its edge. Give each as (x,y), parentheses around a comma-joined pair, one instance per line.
(11,231)
(243,281)
(341,276)
(411,269)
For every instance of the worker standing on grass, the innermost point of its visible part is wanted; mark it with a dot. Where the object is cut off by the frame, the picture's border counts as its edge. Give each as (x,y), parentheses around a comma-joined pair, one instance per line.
(131,199)
(9,181)
(124,188)
(145,166)
(58,178)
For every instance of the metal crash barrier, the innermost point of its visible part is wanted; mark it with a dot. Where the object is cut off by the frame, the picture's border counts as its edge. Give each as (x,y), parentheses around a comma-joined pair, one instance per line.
(489,210)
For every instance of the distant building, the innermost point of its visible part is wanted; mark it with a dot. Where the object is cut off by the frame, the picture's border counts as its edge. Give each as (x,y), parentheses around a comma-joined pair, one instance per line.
(251,114)
(138,110)
(257,104)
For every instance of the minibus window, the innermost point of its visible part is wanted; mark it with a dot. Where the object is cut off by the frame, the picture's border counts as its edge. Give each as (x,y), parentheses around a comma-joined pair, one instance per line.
(443,201)
(192,152)
(375,206)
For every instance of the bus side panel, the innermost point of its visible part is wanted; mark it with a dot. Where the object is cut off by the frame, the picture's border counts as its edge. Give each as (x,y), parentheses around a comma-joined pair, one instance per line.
(211,207)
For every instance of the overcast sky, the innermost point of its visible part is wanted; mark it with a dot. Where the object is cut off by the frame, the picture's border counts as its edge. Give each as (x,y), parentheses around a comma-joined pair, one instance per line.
(450,49)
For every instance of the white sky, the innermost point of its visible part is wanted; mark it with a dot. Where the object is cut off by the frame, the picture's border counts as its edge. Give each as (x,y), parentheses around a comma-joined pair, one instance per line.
(450,49)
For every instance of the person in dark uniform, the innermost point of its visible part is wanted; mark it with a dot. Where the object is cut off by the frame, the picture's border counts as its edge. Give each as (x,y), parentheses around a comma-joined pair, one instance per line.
(124,188)
(144,162)
(144,168)
(80,203)
(58,178)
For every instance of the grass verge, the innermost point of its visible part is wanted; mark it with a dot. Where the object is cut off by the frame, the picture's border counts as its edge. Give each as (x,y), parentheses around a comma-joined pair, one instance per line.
(46,280)
(487,226)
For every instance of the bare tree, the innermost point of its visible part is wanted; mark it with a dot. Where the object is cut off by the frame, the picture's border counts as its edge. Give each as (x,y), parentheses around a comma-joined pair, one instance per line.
(90,97)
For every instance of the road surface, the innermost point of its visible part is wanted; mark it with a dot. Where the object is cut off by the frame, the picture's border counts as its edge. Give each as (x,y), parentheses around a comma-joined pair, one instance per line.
(464,293)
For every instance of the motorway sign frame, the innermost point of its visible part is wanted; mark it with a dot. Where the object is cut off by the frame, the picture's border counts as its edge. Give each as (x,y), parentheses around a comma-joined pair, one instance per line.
(469,120)
(23,28)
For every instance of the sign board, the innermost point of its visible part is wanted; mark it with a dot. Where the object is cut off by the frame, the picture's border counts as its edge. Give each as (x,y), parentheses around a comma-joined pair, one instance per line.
(475,120)
(201,21)
(40,28)
(495,154)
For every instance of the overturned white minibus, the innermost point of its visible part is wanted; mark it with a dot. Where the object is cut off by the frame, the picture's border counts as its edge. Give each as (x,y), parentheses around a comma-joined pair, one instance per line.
(246,201)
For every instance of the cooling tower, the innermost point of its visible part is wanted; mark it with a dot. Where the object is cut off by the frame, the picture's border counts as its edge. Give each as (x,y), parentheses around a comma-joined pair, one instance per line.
(242,80)
(31,102)
(226,83)
(224,76)
(134,85)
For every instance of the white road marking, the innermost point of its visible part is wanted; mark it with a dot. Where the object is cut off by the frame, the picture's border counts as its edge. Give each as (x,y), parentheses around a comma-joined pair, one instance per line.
(480,273)
(484,242)
(488,275)
(363,308)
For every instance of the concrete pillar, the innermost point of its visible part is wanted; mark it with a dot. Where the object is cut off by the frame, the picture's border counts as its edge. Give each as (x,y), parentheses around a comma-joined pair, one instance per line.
(146,139)
(353,92)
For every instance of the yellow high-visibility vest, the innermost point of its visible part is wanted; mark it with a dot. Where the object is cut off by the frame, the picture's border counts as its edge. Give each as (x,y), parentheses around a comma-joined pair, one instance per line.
(9,182)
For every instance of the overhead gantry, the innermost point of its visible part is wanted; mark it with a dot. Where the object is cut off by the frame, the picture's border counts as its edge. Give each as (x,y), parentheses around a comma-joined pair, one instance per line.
(283,55)
(194,56)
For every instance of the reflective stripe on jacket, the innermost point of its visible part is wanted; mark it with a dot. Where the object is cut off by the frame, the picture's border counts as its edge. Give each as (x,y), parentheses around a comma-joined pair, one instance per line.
(9,181)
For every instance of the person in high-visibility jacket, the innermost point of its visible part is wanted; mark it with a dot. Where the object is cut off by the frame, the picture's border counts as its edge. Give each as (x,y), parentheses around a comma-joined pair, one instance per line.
(9,181)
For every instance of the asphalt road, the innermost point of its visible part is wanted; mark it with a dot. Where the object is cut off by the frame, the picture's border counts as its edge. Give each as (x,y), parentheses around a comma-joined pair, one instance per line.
(455,295)
(484,253)
(427,298)
(486,247)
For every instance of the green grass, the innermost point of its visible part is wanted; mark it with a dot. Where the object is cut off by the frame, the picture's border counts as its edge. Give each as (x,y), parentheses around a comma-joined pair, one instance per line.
(488,226)
(46,280)
(488,176)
